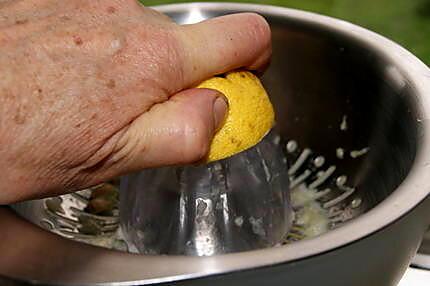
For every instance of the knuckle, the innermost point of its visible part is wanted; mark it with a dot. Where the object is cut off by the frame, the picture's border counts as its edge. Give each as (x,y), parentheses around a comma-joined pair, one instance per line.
(159,50)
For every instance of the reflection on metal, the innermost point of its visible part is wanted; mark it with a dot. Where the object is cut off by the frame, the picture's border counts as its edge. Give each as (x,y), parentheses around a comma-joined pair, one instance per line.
(422,260)
(194,16)
(236,204)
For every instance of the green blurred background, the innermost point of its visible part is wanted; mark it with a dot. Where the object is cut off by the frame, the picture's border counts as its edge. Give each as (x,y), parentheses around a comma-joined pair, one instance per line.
(405,21)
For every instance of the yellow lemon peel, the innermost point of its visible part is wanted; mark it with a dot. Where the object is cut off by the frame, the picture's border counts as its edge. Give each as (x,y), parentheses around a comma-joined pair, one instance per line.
(250,115)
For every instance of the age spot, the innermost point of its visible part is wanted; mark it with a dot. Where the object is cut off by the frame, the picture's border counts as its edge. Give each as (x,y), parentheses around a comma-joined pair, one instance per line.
(22,21)
(111,10)
(38,93)
(78,41)
(111,84)
(19,117)
(65,18)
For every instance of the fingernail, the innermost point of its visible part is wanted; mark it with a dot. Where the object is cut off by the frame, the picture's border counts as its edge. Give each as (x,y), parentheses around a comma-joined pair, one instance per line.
(220,109)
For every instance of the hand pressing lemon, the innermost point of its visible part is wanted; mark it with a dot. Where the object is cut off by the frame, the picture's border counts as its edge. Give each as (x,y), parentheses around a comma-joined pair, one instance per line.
(250,116)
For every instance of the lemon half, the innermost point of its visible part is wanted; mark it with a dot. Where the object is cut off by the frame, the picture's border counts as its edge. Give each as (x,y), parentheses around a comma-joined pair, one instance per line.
(250,115)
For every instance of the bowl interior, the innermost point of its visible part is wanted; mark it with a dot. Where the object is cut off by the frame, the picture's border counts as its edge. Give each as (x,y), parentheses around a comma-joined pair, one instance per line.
(318,77)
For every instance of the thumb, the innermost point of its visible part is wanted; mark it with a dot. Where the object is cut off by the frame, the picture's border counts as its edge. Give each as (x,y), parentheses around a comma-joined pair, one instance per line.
(178,131)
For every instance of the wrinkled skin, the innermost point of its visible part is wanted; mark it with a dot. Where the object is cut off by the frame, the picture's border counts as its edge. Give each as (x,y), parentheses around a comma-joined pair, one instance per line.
(90,90)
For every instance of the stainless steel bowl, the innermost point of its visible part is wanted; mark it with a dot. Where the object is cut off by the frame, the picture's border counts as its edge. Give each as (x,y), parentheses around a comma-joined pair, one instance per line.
(322,69)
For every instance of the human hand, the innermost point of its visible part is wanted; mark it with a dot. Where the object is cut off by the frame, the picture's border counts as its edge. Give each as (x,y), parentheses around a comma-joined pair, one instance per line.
(93,89)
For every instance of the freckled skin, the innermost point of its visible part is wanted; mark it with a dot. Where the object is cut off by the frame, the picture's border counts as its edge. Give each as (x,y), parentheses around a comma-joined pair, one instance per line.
(92,89)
